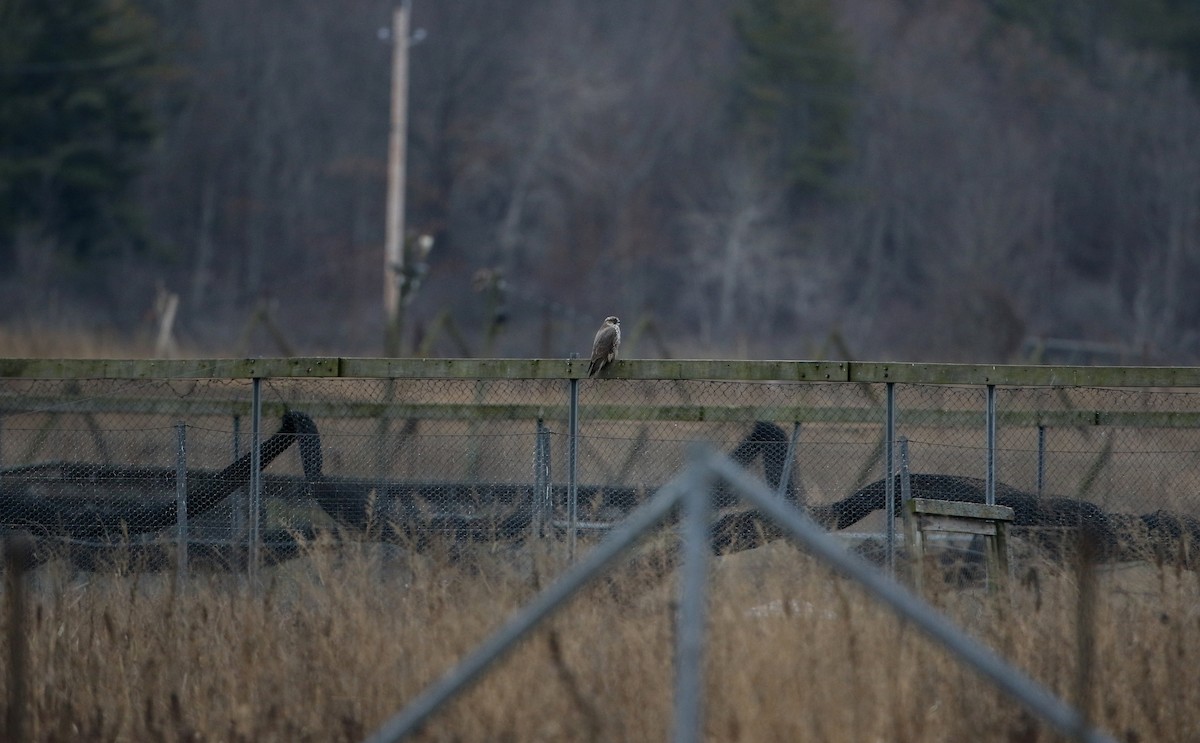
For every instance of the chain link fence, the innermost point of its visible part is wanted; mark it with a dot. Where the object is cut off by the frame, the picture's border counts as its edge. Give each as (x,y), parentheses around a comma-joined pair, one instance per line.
(239,473)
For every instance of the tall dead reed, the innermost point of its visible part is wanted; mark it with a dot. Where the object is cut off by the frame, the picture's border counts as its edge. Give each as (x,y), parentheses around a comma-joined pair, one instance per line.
(332,644)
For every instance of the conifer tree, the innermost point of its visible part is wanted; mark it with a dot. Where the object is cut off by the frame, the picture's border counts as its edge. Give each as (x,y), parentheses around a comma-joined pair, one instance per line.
(793,88)
(74,119)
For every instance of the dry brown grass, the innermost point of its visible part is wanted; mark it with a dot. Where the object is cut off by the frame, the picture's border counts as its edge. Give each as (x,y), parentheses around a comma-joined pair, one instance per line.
(35,340)
(333,644)
(330,646)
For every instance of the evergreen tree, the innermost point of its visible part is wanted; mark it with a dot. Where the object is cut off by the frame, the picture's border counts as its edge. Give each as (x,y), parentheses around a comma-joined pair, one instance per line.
(793,88)
(1074,27)
(74,119)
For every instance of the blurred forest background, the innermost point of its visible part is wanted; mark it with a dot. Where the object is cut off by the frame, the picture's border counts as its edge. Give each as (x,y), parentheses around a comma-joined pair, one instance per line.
(935,180)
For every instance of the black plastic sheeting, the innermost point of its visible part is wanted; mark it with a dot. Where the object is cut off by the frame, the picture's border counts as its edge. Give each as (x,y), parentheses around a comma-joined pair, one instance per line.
(140,504)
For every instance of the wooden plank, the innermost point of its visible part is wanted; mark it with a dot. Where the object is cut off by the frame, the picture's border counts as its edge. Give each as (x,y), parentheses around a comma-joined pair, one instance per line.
(956,525)
(781,371)
(379,368)
(376,368)
(991,522)
(440,411)
(167,368)
(192,406)
(1150,419)
(847,415)
(635,369)
(1026,376)
(960,509)
(732,369)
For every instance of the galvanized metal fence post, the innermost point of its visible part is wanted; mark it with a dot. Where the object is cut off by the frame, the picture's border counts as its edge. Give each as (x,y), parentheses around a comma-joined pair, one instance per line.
(255,494)
(573,468)
(181,490)
(789,461)
(889,488)
(539,500)
(905,478)
(547,481)
(693,597)
(239,503)
(990,487)
(1041,460)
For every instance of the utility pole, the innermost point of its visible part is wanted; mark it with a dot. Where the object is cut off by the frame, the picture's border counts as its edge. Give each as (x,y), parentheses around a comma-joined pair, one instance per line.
(394,248)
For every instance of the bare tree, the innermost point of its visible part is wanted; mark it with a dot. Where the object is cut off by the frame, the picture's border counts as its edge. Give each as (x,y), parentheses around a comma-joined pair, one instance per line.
(997,185)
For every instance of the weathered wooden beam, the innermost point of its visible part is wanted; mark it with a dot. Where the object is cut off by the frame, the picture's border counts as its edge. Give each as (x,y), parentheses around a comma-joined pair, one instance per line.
(635,369)
(167,368)
(642,369)
(959,509)
(372,368)
(732,370)
(1026,376)
(528,411)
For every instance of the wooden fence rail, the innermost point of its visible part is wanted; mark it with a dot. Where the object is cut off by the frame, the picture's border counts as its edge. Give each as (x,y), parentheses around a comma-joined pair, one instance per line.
(642,369)
(695,413)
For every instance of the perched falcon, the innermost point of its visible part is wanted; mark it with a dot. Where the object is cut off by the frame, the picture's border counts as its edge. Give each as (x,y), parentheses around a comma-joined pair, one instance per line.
(604,348)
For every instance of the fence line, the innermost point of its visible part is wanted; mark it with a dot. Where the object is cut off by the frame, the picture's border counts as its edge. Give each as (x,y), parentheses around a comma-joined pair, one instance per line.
(1004,375)
(244,484)
(691,413)
(804,393)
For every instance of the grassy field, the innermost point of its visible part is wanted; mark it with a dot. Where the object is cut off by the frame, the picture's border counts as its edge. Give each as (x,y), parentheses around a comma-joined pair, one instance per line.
(331,645)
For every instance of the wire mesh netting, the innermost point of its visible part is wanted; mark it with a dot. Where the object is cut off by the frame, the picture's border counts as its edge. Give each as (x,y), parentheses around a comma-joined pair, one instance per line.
(142,466)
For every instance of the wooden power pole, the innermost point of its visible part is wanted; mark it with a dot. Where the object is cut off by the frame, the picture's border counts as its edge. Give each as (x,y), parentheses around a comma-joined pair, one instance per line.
(394,248)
